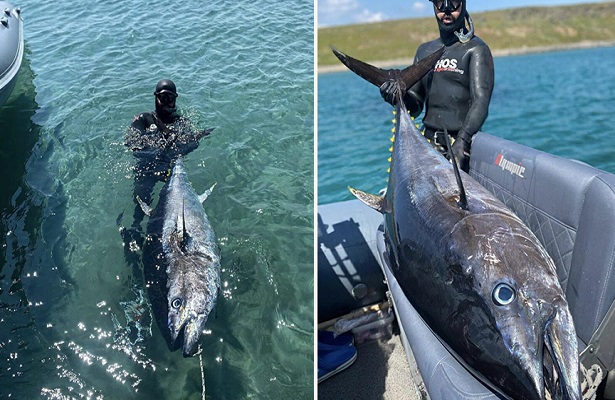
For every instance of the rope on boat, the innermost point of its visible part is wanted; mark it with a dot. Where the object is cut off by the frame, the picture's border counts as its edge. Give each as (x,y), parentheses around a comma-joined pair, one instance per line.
(592,377)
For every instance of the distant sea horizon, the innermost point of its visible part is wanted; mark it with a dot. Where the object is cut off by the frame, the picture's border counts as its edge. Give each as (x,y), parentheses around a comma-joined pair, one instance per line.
(513,51)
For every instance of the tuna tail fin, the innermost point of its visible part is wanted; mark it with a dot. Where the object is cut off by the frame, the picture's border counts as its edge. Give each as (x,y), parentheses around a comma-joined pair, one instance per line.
(206,194)
(463,200)
(378,203)
(377,76)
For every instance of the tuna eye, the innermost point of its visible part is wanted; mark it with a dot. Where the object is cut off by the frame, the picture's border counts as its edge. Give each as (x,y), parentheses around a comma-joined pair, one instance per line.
(176,303)
(503,294)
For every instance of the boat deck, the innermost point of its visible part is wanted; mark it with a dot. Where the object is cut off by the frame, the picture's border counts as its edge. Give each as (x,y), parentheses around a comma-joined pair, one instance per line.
(381,371)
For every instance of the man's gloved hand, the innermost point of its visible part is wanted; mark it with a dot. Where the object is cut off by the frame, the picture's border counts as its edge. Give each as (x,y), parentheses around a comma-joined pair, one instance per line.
(388,91)
(461,151)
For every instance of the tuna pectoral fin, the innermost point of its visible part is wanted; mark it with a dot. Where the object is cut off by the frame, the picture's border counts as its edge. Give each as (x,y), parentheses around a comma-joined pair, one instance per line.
(205,195)
(375,202)
(146,209)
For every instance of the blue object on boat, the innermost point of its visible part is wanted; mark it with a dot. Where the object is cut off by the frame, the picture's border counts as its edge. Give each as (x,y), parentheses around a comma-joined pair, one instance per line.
(329,337)
(333,359)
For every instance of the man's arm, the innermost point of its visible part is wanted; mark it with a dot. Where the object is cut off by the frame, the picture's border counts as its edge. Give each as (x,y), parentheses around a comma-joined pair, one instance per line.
(139,124)
(203,133)
(135,132)
(414,97)
(481,88)
(187,139)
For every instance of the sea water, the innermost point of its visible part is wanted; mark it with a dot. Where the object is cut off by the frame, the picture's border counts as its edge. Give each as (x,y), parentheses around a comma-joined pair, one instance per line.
(559,102)
(75,320)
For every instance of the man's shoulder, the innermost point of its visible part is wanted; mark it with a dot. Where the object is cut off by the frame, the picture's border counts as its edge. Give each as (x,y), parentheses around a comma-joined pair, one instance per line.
(479,43)
(144,116)
(143,121)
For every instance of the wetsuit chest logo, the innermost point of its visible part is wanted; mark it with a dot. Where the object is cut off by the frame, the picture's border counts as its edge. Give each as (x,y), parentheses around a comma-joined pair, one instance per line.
(448,65)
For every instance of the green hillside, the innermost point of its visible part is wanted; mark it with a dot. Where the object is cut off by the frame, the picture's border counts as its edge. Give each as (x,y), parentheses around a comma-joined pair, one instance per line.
(519,28)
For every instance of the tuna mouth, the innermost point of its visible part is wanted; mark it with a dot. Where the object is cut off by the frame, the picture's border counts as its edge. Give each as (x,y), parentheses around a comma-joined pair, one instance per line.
(187,351)
(560,363)
(187,335)
(557,371)
(544,354)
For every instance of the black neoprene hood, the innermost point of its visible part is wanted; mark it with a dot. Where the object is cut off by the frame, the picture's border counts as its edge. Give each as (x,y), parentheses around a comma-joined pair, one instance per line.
(166,86)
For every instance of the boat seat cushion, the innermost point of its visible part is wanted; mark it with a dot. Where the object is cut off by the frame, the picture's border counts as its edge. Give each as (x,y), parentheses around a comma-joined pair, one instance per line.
(570,207)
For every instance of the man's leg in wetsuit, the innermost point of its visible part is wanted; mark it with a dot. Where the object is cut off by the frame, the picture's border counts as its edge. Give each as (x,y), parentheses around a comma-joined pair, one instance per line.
(133,237)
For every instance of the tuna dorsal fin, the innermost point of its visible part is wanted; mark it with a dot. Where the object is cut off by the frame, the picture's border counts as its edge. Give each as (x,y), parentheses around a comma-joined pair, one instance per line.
(180,229)
(147,210)
(377,76)
(206,194)
(184,230)
(180,225)
(372,200)
(463,200)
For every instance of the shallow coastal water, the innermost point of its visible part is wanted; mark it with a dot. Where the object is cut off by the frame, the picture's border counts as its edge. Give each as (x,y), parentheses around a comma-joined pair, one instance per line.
(75,321)
(559,102)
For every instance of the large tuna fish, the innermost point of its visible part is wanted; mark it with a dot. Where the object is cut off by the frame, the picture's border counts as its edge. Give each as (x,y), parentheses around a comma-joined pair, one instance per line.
(181,262)
(476,274)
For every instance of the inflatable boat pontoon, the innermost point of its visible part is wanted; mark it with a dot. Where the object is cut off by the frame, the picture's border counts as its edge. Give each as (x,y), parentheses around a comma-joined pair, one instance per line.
(11,48)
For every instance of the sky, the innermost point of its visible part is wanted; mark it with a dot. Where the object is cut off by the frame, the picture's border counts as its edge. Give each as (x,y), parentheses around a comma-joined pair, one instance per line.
(345,12)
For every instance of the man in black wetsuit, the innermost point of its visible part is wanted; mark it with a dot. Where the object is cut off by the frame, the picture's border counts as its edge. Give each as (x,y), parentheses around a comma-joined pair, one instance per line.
(457,92)
(156,139)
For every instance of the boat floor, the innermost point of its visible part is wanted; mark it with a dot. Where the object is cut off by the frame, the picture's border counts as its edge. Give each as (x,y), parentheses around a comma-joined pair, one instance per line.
(381,371)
